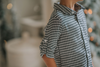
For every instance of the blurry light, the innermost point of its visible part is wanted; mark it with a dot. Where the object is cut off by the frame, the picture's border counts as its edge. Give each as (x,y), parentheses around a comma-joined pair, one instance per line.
(89,11)
(89,30)
(91,38)
(9,6)
(85,11)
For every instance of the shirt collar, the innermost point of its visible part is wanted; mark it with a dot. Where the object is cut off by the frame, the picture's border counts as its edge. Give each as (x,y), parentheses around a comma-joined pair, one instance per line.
(67,10)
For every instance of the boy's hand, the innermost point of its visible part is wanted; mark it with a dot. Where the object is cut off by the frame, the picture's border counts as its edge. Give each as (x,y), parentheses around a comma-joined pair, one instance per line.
(92,64)
(50,62)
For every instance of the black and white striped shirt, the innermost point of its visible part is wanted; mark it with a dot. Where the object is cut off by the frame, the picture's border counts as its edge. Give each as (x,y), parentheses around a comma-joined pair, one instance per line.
(66,37)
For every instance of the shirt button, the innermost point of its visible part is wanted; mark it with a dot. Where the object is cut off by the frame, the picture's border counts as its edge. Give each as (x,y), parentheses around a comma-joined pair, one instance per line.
(82,28)
(45,40)
(72,12)
(85,41)
(88,54)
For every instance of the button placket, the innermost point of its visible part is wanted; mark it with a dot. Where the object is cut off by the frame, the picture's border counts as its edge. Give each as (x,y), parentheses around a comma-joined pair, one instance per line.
(80,20)
(84,35)
(86,27)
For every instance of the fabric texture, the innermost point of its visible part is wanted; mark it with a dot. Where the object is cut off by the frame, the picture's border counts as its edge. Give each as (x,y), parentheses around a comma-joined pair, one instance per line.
(66,37)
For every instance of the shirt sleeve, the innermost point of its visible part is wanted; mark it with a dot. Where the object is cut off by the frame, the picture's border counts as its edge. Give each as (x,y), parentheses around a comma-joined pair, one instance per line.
(49,41)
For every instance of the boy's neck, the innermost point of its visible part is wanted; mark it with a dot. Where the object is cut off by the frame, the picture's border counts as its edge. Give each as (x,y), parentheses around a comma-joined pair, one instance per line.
(68,3)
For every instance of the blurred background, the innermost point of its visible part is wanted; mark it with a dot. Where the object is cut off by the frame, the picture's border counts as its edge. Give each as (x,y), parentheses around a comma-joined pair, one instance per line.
(22,25)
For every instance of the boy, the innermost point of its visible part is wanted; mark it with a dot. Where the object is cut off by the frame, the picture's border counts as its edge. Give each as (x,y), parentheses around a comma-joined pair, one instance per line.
(66,41)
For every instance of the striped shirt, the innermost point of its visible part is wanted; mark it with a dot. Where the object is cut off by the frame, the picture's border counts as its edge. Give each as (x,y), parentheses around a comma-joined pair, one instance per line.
(66,37)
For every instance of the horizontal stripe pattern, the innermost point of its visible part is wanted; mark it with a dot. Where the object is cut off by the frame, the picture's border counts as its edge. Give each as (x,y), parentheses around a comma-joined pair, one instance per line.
(66,38)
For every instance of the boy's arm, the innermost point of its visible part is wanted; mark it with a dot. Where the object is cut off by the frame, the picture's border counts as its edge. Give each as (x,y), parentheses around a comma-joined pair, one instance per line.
(50,62)
(49,41)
